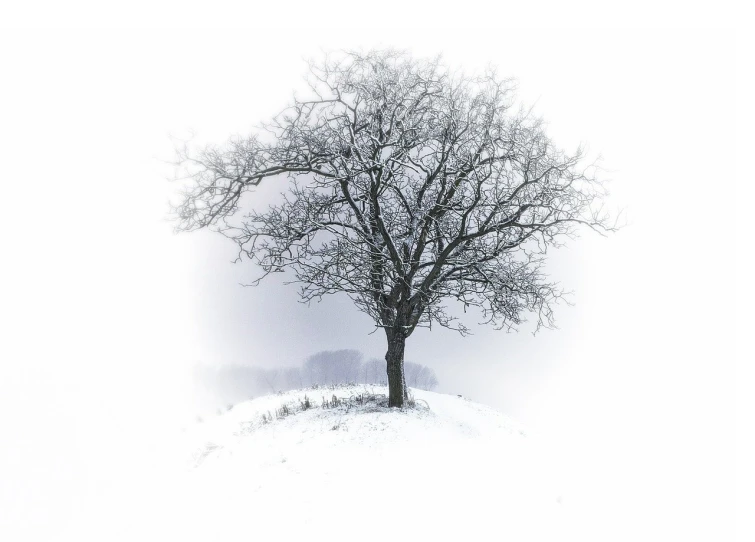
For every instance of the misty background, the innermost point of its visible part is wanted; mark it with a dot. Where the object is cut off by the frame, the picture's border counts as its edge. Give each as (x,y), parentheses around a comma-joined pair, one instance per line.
(106,313)
(218,388)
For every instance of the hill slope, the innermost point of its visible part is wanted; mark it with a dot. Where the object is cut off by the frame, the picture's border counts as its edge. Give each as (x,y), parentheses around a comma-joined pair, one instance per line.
(448,468)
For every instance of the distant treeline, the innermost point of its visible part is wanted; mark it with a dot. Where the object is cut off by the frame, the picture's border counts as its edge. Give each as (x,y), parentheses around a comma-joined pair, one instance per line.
(233,383)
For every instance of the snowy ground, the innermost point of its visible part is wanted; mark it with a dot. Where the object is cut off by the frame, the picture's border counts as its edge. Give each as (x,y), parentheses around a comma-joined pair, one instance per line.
(446,470)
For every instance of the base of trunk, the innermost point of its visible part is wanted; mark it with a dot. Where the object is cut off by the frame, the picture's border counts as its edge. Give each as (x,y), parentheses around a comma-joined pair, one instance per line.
(398,393)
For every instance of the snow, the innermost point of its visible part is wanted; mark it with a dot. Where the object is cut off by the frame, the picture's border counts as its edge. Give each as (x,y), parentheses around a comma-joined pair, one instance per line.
(445,470)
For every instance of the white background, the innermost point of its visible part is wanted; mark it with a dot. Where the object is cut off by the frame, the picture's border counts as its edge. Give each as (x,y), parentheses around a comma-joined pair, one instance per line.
(104,310)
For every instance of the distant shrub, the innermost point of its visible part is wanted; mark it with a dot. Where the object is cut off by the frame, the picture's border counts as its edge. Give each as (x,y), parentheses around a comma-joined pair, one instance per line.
(283,411)
(332,403)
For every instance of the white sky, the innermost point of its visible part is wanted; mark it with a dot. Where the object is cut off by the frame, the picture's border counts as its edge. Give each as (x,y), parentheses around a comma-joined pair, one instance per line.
(105,309)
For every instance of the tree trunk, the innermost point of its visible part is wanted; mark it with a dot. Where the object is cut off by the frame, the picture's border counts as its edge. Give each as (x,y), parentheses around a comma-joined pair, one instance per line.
(397,390)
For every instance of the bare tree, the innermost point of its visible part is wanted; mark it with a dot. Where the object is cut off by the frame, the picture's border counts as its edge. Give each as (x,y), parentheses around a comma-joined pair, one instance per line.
(420,376)
(268,377)
(410,185)
(333,367)
(374,372)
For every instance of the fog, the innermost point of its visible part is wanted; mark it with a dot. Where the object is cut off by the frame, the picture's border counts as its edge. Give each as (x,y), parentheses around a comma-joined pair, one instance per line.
(106,311)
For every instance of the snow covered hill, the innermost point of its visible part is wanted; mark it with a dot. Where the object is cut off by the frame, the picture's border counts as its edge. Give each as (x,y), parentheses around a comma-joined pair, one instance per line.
(449,469)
